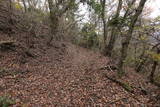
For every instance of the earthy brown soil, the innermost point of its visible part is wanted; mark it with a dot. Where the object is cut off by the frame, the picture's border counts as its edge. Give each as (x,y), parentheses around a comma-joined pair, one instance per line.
(65,75)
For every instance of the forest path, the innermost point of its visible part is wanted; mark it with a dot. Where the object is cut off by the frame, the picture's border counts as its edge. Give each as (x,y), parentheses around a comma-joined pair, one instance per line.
(65,75)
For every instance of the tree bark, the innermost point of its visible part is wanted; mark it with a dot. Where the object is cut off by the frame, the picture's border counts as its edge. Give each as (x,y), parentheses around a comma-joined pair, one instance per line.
(29,3)
(103,3)
(54,20)
(126,42)
(143,59)
(155,64)
(110,46)
(24,4)
(55,14)
(114,32)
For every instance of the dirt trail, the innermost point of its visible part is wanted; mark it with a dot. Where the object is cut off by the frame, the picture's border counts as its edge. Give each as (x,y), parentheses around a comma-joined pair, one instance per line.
(65,76)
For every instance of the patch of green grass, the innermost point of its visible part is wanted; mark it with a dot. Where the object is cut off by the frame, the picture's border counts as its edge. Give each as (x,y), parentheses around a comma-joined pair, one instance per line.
(127,87)
(6,102)
(120,74)
(157,78)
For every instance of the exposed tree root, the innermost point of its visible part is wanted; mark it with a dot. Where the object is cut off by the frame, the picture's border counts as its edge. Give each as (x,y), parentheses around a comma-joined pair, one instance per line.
(115,101)
(126,86)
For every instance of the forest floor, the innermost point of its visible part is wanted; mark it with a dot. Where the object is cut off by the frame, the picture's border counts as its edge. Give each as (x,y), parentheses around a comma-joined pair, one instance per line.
(65,75)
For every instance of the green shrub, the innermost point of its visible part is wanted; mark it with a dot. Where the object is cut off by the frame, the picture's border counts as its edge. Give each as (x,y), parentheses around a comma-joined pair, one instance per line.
(89,37)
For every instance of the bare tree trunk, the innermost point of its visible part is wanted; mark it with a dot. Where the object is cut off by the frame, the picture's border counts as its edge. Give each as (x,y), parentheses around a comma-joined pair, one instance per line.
(130,4)
(155,64)
(29,3)
(11,22)
(24,4)
(110,46)
(55,14)
(143,59)
(114,32)
(126,42)
(54,20)
(103,3)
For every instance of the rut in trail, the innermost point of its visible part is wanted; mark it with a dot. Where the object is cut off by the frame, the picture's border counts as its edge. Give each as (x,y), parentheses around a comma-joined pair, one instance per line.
(63,75)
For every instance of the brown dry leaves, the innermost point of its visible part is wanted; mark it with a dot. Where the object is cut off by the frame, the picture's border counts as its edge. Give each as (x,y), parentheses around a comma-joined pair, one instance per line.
(67,76)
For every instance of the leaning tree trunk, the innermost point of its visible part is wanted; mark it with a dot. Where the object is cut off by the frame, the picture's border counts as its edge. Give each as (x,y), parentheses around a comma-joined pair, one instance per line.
(126,42)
